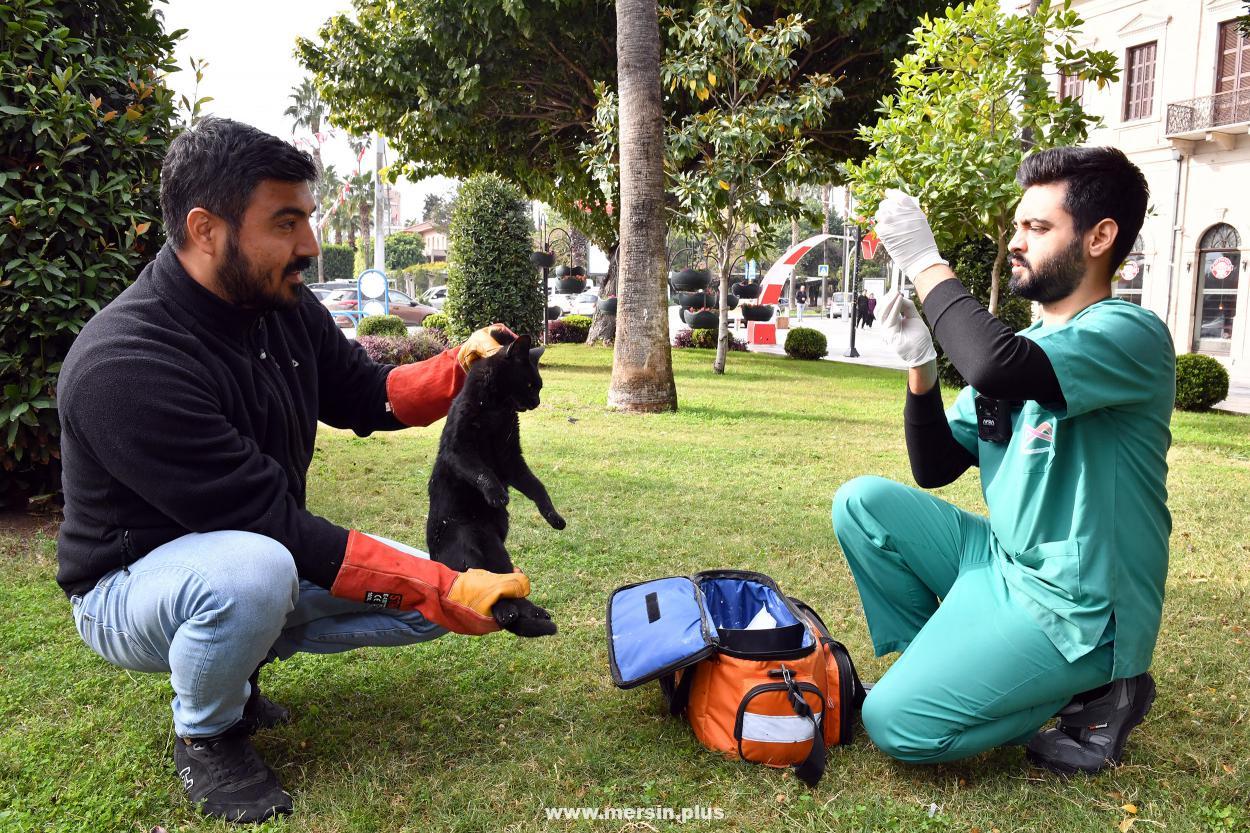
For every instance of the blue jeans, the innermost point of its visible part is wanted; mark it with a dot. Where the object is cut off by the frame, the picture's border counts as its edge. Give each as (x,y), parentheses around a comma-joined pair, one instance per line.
(208,608)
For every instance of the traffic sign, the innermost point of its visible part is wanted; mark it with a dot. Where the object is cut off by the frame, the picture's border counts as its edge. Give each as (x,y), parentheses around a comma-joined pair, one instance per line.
(1221,268)
(1129,271)
(822,270)
(868,245)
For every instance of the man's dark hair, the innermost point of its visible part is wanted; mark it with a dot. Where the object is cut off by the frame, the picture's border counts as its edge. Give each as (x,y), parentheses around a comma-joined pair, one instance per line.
(1102,183)
(216,165)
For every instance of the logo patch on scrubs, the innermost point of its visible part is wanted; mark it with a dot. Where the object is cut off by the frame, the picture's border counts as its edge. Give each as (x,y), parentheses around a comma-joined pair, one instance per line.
(1039,440)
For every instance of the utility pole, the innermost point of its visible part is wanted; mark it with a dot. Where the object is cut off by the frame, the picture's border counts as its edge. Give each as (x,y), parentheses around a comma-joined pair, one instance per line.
(379,205)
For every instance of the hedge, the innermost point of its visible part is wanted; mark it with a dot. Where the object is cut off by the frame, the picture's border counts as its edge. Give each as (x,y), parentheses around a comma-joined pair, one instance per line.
(85,121)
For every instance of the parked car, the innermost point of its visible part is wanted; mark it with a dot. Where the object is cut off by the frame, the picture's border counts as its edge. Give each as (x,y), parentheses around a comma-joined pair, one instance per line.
(584,304)
(411,312)
(840,305)
(435,296)
(325,289)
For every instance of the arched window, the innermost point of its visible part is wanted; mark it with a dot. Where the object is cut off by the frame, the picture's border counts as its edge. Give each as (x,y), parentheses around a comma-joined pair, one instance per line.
(1219,274)
(1128,284)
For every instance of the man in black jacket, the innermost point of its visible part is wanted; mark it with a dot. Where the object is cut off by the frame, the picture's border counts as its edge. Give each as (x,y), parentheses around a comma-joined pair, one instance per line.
(1051,604)
(189,406)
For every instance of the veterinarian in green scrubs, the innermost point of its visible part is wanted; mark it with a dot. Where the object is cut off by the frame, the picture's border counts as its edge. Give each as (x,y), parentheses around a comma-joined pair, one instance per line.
(1052,603)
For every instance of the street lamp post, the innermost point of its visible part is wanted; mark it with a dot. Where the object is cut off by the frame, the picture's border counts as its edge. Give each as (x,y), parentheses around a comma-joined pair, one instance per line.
(852,353)
(545,258)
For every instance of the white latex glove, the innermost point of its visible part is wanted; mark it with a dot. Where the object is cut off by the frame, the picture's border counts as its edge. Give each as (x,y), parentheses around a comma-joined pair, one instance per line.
(904,230)
(906,332)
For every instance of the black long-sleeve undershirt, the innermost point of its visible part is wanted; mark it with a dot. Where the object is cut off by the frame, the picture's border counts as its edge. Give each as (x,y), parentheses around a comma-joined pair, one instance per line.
(992,359)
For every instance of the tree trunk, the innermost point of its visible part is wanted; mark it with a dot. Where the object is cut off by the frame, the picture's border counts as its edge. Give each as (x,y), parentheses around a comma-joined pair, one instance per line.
(579,248)
(603,327)
(642,365)
(722,332)
(997,271)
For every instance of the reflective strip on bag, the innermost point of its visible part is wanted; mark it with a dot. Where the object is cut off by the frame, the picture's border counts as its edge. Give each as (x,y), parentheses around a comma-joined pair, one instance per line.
(769,728)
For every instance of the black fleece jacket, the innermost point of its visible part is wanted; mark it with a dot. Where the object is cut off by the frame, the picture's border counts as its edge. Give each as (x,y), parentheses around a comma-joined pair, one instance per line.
(183,413)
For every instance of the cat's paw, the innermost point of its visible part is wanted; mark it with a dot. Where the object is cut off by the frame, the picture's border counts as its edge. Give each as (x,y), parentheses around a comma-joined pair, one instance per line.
(495,493)
(553,517)
(523,618)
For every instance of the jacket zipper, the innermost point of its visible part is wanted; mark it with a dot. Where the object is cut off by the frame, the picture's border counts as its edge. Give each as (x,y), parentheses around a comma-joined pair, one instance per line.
(279,389)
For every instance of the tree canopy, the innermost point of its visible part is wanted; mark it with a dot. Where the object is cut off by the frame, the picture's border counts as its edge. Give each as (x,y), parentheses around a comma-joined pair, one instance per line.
(973,85)
(486,85)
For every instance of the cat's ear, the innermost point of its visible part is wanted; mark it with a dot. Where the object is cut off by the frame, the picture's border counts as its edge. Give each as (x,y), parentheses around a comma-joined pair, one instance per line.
(536,353)
(520,347)
(502,336)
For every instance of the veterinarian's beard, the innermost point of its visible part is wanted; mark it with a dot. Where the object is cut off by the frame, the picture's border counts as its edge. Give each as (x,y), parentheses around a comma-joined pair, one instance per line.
(1053,279)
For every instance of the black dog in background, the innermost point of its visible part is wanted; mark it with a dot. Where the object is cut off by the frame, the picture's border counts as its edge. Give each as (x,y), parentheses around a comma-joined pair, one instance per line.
(479,457)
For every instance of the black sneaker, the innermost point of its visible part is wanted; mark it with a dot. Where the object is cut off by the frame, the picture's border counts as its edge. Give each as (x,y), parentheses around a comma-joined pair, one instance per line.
(259,712)
(1091,734)
(225,777)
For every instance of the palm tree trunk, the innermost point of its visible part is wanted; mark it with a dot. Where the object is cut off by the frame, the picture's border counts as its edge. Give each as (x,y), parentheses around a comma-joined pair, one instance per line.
(321,274)
(642,364)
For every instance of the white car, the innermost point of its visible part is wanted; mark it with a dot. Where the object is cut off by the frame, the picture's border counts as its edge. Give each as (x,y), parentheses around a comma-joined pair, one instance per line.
(584,304)
(435,296)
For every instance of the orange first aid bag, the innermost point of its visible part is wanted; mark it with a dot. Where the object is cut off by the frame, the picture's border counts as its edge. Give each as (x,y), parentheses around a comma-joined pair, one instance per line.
(755,672)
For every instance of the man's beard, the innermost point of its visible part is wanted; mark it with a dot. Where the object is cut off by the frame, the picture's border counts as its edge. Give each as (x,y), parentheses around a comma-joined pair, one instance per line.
(1053,279)
(248,287)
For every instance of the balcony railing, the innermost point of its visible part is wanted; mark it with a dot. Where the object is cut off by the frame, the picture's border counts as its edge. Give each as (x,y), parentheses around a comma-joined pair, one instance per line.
(1209,112)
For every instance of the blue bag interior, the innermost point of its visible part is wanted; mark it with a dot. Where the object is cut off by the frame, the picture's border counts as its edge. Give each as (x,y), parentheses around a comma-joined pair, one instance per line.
(734,602)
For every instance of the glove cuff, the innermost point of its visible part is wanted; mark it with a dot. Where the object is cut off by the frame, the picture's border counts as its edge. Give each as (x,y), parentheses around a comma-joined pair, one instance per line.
(929,258)
(928,356)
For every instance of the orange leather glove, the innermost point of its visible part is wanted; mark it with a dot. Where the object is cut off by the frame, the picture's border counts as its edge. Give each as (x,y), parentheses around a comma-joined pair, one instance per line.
(377,574)
(483,343)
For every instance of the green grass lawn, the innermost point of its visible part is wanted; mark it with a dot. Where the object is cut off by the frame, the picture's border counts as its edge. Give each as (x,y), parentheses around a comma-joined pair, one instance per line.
(482,734)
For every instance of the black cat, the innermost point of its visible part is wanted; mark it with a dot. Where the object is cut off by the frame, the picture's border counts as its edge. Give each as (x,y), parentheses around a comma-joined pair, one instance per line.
(479,457)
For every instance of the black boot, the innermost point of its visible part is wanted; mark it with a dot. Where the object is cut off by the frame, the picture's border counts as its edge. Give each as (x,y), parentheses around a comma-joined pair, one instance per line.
(1092,731)
(225,777)
(260,712)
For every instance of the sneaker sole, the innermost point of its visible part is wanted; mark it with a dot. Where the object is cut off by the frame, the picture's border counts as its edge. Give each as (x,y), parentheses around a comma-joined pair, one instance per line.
(1135,718)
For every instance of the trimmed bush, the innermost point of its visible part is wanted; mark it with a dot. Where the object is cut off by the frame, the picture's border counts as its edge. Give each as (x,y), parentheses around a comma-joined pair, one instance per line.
(435,321)
(337,261)
(406,349)
(705,339)
(571,329)
(403,249)
(489,276)
(1201,381)
(806,343)
(85,120)
(382,325)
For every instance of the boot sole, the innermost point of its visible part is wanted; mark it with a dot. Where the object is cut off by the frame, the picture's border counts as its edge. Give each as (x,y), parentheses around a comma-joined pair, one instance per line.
(1135,718)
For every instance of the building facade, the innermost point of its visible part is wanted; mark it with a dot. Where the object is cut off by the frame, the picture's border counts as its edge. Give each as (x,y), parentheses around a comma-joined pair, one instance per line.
(435,239)
(1181,111)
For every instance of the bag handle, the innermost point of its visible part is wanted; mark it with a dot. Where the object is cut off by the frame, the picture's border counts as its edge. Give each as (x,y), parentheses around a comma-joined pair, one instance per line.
(812,769)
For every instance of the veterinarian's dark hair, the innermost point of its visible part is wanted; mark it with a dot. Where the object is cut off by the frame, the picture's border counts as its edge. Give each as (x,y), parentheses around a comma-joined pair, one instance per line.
(1101,183)
(216,165)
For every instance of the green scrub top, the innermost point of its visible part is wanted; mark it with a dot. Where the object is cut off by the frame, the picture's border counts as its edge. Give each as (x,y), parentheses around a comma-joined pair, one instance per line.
(1078,497)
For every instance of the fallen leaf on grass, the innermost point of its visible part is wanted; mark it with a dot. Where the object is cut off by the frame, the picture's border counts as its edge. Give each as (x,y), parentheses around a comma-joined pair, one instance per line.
(1130,809)
(1127,825)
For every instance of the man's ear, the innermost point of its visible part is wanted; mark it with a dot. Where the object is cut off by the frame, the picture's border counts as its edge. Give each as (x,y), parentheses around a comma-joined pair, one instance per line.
(206,232)
(1101,238)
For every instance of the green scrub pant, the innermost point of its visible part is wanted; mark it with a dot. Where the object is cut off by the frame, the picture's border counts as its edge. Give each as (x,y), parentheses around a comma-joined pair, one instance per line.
(977,670)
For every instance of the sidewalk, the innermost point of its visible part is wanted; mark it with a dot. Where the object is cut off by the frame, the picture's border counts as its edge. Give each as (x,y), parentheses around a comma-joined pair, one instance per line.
(873,351)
